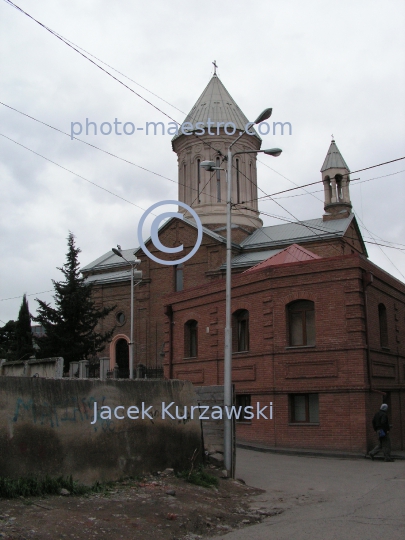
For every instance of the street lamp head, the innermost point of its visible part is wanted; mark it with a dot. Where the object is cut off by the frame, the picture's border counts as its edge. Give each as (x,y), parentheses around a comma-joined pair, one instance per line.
(136,261)
(275,152)
(208,165)
(263,116)
(117,252)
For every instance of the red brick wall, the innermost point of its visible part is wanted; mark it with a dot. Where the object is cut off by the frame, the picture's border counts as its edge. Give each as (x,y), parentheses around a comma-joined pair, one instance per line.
(336,368)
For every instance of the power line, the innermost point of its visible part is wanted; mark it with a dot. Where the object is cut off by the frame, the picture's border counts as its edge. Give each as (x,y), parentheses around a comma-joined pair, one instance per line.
(72,172)
(79,49)
(99,149)
(319,181)
(120,72)
(87,58)
(32,294)
(70,44)
(379,246)
(88,144)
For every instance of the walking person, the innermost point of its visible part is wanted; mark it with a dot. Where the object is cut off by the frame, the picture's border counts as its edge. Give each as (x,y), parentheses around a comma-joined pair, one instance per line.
(382,427)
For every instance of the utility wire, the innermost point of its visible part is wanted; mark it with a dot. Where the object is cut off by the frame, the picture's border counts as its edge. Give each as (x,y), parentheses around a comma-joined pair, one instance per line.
(318,181)
(72,172)
(32,294)
(120,72)
(100,149)
(89,59)
(75,48)
(379,246)
(69,44)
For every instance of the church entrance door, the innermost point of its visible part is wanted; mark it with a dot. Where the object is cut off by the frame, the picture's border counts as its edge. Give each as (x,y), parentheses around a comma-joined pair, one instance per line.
(122,358)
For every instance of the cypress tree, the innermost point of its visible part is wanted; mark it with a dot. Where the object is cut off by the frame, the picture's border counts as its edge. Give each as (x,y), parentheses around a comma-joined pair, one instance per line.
(23,332)
(70,327)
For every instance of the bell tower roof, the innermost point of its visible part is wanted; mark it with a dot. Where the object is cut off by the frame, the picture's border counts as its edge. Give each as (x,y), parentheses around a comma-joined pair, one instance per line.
(217,105)
(336,180)
(334,159)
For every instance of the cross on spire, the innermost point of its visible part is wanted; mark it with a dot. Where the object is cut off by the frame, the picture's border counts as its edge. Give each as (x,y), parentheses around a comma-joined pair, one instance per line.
(215,67)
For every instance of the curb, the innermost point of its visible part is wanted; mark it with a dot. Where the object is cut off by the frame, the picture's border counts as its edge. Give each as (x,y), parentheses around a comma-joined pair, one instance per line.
(308,453)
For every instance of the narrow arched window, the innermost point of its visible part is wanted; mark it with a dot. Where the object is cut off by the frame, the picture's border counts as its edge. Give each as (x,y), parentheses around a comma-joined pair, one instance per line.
(178,277)
(198,180)
(301,323)
(240,330)
(237,182)
(218,164)
(190,339)
(339,193)
(382,319)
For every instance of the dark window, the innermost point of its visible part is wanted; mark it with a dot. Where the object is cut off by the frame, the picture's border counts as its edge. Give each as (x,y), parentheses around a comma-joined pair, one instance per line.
(301,323)
(237,182)
(304,408)
(178,277)
(243,400)
(218,164)
(240,330)
(382,319)
(190,339)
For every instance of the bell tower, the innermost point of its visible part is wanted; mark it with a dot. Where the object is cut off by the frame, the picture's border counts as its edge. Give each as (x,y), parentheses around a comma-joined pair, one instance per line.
(336,179)
(211,126)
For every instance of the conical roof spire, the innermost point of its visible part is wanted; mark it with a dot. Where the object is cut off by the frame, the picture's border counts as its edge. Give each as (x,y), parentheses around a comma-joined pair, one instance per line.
(334,159)
(216,105)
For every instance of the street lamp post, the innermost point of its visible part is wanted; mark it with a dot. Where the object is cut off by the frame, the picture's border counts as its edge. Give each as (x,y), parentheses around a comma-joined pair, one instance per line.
(139,277)
(210,166)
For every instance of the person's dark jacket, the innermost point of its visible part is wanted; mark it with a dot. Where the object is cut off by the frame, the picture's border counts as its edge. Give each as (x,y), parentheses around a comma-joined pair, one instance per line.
(380,421)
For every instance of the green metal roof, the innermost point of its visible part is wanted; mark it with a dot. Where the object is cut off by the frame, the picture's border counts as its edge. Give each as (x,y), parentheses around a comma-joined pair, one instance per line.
(334,159)
(217,105)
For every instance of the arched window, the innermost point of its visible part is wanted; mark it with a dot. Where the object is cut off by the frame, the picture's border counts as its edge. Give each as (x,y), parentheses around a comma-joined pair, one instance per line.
(382,319)
(190,339)
(218,164)
(240,330)
(339,193)
(198,179)
(301,323)
(178,277)
(237,182)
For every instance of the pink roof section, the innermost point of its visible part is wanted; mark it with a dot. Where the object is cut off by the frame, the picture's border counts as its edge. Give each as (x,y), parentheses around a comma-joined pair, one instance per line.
(293,253)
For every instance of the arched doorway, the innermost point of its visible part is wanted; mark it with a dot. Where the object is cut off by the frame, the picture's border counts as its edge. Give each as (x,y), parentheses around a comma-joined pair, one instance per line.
(122,358)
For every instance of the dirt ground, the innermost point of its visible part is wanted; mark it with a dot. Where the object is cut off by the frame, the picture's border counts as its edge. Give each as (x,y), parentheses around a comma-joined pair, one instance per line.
(155,507)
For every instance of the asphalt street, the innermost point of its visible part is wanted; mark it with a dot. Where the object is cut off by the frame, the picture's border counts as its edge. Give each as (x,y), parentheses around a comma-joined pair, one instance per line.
(323,498)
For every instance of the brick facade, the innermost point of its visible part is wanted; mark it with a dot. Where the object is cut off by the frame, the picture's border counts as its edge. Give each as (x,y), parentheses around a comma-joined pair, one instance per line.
(347,367)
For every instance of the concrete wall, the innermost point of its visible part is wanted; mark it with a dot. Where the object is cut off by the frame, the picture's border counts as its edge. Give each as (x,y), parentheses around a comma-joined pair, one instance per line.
(46,428)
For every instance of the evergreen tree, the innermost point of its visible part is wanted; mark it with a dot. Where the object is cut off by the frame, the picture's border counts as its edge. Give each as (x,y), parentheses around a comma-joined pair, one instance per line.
(23,332)
(8,342)
(70,326)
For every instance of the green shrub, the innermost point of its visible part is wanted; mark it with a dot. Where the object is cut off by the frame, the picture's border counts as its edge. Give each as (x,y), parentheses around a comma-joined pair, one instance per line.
(199,477)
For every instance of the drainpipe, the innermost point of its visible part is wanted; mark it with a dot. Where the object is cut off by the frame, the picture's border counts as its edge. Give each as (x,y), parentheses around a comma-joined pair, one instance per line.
(169,313)
(367,281)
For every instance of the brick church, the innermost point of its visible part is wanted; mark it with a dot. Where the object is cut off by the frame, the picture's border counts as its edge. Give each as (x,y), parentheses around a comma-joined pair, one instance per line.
(318,329)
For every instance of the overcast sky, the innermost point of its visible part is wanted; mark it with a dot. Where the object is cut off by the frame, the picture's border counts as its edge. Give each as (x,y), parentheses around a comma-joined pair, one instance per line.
(326,67)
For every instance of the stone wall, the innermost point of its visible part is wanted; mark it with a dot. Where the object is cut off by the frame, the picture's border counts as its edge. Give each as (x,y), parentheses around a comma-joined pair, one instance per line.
(47,427)
(44,367)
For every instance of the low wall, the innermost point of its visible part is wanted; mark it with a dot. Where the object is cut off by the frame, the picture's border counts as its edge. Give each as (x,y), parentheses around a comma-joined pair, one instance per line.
(45,367)
(48,427)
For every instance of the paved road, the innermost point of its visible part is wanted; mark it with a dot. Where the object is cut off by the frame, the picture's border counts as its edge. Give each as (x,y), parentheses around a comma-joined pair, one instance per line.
(324,498)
